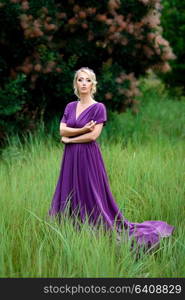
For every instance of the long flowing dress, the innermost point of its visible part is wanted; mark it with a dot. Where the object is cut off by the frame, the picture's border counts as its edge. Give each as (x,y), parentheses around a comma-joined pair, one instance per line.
(83,184)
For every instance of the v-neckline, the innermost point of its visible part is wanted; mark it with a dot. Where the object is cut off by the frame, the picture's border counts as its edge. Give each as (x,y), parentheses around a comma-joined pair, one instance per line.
(76,118)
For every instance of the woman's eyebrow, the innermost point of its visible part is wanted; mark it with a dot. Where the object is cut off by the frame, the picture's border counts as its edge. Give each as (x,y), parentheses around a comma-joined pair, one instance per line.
(83,77)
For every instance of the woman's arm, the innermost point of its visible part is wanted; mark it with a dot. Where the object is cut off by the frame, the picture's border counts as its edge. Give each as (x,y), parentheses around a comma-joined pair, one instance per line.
(87,137)
(69,131)
(84,138)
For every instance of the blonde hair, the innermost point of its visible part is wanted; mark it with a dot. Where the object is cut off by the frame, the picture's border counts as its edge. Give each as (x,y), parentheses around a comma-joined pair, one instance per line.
(92,76)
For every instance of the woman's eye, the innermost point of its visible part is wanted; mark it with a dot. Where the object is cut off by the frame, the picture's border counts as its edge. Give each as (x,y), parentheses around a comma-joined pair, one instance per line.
(87,80)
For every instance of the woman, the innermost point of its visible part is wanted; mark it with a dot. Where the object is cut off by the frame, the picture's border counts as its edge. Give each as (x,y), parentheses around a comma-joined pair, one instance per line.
(83,184)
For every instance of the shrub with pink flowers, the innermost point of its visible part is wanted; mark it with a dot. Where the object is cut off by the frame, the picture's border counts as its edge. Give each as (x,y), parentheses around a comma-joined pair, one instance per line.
(48,40)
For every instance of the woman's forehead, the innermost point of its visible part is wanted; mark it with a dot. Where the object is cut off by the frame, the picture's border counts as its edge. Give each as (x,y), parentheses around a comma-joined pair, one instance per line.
(83,74)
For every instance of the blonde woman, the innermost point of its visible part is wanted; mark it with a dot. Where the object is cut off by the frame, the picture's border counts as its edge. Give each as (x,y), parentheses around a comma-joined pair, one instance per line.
(83,184)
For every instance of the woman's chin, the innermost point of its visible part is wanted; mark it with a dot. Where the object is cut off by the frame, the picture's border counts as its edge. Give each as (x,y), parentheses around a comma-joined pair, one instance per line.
(84,92)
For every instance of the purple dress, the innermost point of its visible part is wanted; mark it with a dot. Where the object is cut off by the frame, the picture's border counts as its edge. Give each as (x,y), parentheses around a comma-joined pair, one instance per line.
(83,184)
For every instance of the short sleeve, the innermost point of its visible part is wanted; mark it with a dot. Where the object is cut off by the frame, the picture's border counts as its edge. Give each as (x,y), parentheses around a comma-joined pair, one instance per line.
(65,115)
(101,114)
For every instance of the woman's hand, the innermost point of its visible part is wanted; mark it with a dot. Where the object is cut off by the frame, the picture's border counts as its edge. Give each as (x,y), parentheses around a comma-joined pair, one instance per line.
(90,125)
(65,140)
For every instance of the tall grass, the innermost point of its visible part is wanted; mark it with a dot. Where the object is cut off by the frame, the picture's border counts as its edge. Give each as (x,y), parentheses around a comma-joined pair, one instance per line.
(145,161)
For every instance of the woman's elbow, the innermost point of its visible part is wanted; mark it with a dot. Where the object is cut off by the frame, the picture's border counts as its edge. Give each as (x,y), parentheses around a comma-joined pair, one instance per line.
(62,129)
(95,136)
(62,132)
(97,131)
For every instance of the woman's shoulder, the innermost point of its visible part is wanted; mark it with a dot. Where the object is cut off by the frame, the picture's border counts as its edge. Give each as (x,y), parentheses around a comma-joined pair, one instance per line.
(70,104)
(100,108)
(100,103)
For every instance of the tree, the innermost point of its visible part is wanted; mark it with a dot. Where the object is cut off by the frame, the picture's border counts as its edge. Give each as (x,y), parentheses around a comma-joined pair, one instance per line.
(48,40)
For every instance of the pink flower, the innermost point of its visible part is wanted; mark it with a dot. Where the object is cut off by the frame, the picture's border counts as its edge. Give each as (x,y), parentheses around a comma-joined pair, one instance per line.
(151,20)
(123,25)
(58,70)
(130,28)
(15,1)
(90,36)
(90,11)
(37,23)
(24,25)
(119,19)
(50,26)
(84,25)
(108,96)
(165,67)
(168,54)
(114,4)
(112,28)
(148,51)
(119,80)
(27,68)
(82,14)
(101,18)
(61,15)
(25,5)
(37,32)
(38,67)
(72,21)
(159,40)
(162,67)
(151,36)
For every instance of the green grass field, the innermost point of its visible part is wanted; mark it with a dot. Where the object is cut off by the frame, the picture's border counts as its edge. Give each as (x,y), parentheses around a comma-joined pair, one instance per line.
(144,157)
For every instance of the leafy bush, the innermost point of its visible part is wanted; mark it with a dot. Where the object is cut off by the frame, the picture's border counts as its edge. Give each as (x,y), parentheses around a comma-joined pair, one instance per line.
(48,40)
(12,98)
(174,31)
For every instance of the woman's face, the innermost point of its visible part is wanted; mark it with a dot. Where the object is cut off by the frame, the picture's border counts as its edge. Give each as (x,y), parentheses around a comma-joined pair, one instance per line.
(84,83)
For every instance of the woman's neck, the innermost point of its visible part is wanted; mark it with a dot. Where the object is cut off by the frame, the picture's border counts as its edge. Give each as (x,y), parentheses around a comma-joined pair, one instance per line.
(86,99)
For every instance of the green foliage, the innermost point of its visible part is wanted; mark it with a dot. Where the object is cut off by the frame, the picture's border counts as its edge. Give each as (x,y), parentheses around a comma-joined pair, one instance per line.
(12,96)
(173,17)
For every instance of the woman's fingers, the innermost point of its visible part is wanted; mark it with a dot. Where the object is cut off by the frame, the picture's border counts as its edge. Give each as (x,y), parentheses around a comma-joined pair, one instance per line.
(93,122)
(90,125)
